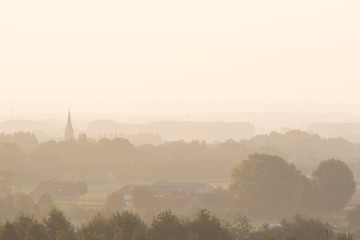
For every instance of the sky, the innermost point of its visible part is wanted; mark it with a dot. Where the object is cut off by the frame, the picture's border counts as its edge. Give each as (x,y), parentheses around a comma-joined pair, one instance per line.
(114,51)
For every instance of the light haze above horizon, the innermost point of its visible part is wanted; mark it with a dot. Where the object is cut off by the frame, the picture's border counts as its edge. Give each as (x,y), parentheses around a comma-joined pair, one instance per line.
(161,51)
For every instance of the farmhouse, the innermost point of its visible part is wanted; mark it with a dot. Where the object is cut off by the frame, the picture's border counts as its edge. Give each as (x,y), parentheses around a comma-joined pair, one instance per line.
(164,189)
(175,195)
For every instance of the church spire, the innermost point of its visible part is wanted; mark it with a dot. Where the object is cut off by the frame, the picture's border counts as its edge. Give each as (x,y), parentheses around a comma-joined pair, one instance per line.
(69,132)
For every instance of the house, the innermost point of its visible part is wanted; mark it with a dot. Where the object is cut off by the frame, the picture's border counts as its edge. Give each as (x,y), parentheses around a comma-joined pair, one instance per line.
(219,198)
(163,189)
(4,192)
(125,191)
(174,194)
(181,204)
(57,190)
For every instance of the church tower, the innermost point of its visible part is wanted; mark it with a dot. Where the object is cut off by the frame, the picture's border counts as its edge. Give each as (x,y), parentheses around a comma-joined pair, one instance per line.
(69,132)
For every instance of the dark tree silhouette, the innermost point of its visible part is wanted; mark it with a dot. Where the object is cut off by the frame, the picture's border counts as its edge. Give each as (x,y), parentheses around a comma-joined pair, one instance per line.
(267,185)
(8,232)
(58,225)
(115,201)
(335,184)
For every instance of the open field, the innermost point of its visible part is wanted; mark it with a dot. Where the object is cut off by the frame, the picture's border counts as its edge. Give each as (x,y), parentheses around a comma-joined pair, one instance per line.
(97,193)
(96,197)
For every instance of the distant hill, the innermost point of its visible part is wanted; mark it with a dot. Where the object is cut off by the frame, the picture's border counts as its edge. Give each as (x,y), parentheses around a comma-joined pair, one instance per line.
(176,130)
(23,125)
(349,131)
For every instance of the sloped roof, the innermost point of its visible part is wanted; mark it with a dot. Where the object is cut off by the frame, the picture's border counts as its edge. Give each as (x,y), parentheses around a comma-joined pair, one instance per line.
(174,202)
(165,188)
(125,190)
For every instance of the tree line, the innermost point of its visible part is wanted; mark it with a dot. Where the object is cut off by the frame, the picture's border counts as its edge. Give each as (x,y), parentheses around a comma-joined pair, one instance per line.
(172,161)
(166,225)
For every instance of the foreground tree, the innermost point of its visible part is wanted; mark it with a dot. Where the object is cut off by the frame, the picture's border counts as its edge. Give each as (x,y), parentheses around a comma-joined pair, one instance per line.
(208,227)
(36,231)
(58,225)
(296,228)
(8,232)
(128,226)
(242,229)
(22,223)
(98,228)
(306,229)
(267,185)
(167,225)
(335,184)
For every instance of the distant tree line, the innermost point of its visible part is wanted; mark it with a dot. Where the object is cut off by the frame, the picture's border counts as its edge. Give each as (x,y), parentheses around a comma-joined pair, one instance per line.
(164,226)
(173,161)
(14,204)
(26,141)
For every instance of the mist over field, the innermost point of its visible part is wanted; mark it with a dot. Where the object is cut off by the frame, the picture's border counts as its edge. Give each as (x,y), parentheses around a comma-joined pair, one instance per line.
(179,120)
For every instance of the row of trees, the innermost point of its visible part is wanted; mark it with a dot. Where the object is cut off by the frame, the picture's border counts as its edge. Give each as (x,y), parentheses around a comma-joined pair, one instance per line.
(26,141)
(166,225)
(267,185)
(12,205)
(173,161)
(7,180)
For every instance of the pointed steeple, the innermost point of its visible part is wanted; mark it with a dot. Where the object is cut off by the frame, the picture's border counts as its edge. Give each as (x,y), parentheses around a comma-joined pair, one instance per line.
(69,132)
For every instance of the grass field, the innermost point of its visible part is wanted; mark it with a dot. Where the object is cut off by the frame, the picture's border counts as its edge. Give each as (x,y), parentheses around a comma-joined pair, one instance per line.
(97,193)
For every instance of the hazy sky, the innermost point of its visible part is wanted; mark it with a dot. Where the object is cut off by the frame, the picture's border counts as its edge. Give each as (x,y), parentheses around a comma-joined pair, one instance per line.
(190,50)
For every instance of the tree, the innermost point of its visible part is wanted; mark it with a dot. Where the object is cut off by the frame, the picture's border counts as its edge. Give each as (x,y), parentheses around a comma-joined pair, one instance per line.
(58,225)
(241,228)
(36,231)
(98,228)
(82,187)
(3,209)
(296,228)
(7,180)
(343,236)
(46,200)
(64,235)
(115,201)
(207,227)
(9,203)
(45,203)
(335,183)
(300,228)
(128,226)
(8,232)
(167,225)
(23,203)
(22,223)
(142,197)
(267,185)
